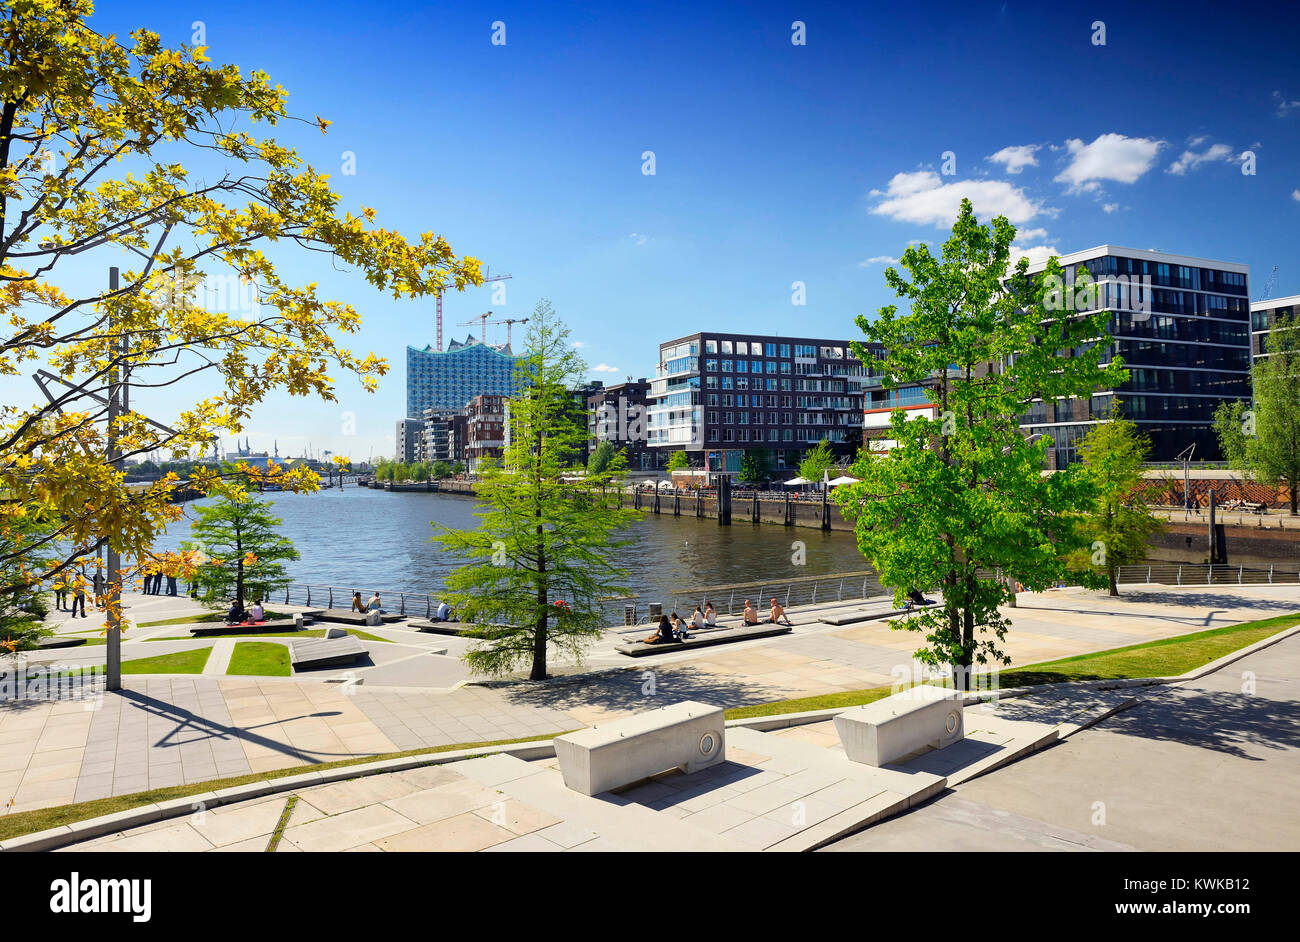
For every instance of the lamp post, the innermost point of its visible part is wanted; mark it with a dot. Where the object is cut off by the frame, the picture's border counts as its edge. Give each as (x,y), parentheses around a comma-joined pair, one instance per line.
(117,404)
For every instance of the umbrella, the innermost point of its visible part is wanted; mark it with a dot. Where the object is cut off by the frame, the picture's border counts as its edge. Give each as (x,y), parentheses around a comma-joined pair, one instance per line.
(795,481)
(843,479)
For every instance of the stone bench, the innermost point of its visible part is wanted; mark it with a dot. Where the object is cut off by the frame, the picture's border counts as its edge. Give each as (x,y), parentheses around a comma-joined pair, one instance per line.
(687,735)
(275,624)
(326,652)
(348,617)
(918,718)
(704,640)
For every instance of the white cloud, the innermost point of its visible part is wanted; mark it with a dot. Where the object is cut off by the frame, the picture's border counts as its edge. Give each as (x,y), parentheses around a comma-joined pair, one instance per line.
(1109,157)
(1028,234)
(1110,207)
(604,368)
(638,238)
(879,260)
(1190,160)
(1037,254)
(1295,195)
(921,197)
(1016,158)
(579,344)
(1283,105)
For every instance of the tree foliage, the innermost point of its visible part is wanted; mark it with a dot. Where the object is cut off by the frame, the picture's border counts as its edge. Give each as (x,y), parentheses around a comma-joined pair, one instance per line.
(962,496)
(755,466)
(601,456)
(95,131)
(245,555)
(678,461)
(1116,528)
(817,461)
(541,559)
(1262,440)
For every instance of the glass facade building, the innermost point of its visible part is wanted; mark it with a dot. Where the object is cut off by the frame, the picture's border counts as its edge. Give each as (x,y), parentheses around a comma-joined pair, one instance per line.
(1182,326)
(717,395)
(445,380)
(1263,315)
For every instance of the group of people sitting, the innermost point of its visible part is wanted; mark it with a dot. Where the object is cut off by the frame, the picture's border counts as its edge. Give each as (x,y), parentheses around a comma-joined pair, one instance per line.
(375,605)
(672,628)
(238,615)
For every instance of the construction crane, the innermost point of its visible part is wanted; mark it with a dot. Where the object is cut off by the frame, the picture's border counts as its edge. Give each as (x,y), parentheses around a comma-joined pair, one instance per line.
(1268,285)
(482,330)
(487,276)
(509,321)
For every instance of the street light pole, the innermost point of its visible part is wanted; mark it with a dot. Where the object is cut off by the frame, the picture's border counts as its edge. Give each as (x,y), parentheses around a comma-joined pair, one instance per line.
(116,403)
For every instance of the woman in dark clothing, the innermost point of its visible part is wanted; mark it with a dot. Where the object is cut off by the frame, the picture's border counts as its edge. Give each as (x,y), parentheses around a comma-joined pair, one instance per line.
(236,614)
(664,634)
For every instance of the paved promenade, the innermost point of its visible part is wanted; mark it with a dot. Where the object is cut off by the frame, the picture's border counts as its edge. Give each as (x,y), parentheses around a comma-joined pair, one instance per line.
(167,730)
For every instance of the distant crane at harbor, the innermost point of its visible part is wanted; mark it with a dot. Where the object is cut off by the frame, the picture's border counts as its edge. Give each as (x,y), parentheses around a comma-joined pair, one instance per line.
(483,329)
(487,277)
(509,322)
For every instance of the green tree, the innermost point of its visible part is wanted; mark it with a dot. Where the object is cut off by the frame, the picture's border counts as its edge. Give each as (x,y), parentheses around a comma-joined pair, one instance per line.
(755,466)
(1263,440)
(600,458)
(245,554)
(541,559)
(441,470)
(963,495)
(817,461)
(678,461)
(1118,525)
(458,468)
(26,548)
(419,471)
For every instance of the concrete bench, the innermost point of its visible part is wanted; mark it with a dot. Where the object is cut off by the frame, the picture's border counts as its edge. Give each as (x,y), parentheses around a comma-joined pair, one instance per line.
(347,617)
(704,639)
(326,652)
(275,624)
(919,718)
(687,735)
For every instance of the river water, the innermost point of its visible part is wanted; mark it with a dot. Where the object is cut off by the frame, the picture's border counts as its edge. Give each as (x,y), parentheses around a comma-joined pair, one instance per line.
(367,540)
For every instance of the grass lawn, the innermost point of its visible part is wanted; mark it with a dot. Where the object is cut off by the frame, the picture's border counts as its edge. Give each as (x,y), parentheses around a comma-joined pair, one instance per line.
(41,819)
(260,658)
(306,633)
(182,662)
(1166,658)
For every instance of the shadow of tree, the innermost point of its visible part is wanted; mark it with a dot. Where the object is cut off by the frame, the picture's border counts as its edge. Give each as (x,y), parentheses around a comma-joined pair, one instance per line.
(645,689)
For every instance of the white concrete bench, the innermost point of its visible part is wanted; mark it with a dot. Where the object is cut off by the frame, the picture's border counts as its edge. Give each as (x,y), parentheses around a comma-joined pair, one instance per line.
(687,735)
(920,717)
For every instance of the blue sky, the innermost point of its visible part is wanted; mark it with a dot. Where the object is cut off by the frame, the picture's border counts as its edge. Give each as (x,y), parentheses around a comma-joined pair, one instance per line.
(774,162)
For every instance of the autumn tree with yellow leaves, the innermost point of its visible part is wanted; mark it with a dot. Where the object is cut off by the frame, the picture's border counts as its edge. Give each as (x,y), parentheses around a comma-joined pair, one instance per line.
(93,133)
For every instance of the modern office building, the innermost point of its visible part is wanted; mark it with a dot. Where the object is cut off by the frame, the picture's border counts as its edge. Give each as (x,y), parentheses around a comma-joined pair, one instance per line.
(443,436)
(1263,315)
(717,395)
(1182,326)
(408,440)
(445,380)
(617,414)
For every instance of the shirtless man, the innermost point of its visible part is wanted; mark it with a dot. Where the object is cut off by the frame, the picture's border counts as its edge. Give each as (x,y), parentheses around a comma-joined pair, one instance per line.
(751,614)
(777,614)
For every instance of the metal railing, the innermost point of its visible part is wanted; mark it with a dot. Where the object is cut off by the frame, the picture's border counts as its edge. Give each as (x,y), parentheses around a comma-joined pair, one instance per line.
(401,601)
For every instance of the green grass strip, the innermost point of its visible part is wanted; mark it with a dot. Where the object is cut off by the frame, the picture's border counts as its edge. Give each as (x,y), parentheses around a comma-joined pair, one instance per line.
(259,659)
(274,842)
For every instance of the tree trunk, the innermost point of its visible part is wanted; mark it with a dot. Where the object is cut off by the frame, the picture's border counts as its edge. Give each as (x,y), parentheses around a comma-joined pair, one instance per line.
(1110,578)
(1294,495)
(539,635)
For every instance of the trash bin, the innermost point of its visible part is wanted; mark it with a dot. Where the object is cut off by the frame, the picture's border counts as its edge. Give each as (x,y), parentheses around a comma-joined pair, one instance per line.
(656,610)
(629,614)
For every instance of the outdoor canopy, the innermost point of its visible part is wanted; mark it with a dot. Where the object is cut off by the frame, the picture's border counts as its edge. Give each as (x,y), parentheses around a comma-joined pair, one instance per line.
(843,479)
(793,481)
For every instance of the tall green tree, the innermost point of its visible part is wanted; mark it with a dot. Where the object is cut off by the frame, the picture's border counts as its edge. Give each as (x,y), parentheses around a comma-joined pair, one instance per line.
(601,456)
(755,466)
(962,496)
(541,558)
(1263,440)
(440,470)
(678,461)
(419,471)
(817,461)
(1118,525)
(245,553)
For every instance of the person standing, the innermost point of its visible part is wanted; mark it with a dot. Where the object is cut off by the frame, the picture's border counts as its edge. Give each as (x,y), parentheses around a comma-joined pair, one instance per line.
(60,596)
(79,599)
(171,585)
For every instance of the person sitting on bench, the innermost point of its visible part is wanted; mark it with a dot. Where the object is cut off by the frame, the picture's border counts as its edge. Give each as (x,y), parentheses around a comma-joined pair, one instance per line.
(257,613)
(751,614)
(236,614)
(443,613)
(777,614)
(375,605)
(679,627)
(357,604)
(663,634)
(710,615)
(698,620)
